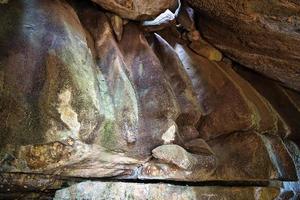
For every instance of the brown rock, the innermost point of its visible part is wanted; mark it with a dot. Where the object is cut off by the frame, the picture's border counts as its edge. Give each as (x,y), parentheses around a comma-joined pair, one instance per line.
(244,156)
(190,111)
(199,146)
(280,157)
(74,102)
(204,49)
(158,107)
(224,105)
(266,116)
(276,95)
(260,34)
(137,9)
(185,17)
(250,156)
(293,96)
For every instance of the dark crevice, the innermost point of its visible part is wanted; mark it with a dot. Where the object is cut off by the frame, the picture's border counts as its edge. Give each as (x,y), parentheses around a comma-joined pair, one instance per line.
(225,183)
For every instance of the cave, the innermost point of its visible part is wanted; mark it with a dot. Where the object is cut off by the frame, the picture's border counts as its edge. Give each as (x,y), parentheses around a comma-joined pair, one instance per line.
(150,99)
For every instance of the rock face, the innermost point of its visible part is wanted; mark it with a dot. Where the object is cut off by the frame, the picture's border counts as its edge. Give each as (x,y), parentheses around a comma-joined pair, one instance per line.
(135,191)
(58,102)
(283,100)
(137,9)
(260,34)
(84,95)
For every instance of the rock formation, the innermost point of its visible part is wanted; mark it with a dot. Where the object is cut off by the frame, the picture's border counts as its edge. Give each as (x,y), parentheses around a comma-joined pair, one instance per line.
(89,92)
(262,35)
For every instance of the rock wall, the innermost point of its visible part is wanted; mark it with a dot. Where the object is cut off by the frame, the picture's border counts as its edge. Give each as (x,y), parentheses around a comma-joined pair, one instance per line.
(85,93)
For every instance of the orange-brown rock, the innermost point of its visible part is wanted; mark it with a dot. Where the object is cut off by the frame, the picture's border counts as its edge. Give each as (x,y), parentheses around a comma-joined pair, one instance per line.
(190,111)
(259,34)
(137,9)
(157,102)
(289,114)
(84,95)
(225,107)
(266,116)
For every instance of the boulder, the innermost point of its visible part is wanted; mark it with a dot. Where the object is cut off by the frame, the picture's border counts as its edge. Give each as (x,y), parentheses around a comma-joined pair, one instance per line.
(176,155)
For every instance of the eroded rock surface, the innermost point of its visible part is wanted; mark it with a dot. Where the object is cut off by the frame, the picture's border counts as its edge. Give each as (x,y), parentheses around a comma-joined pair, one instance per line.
(136,9)
(135,191)
(84,94)
(262,35)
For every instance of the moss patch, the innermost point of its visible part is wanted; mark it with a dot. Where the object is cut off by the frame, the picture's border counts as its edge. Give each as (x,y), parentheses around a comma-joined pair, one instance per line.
(108,137)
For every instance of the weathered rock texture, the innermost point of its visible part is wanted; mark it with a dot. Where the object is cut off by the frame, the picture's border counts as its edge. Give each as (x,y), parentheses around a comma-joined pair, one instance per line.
(134,191)
(262,35)
(136,9)
(82,95)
